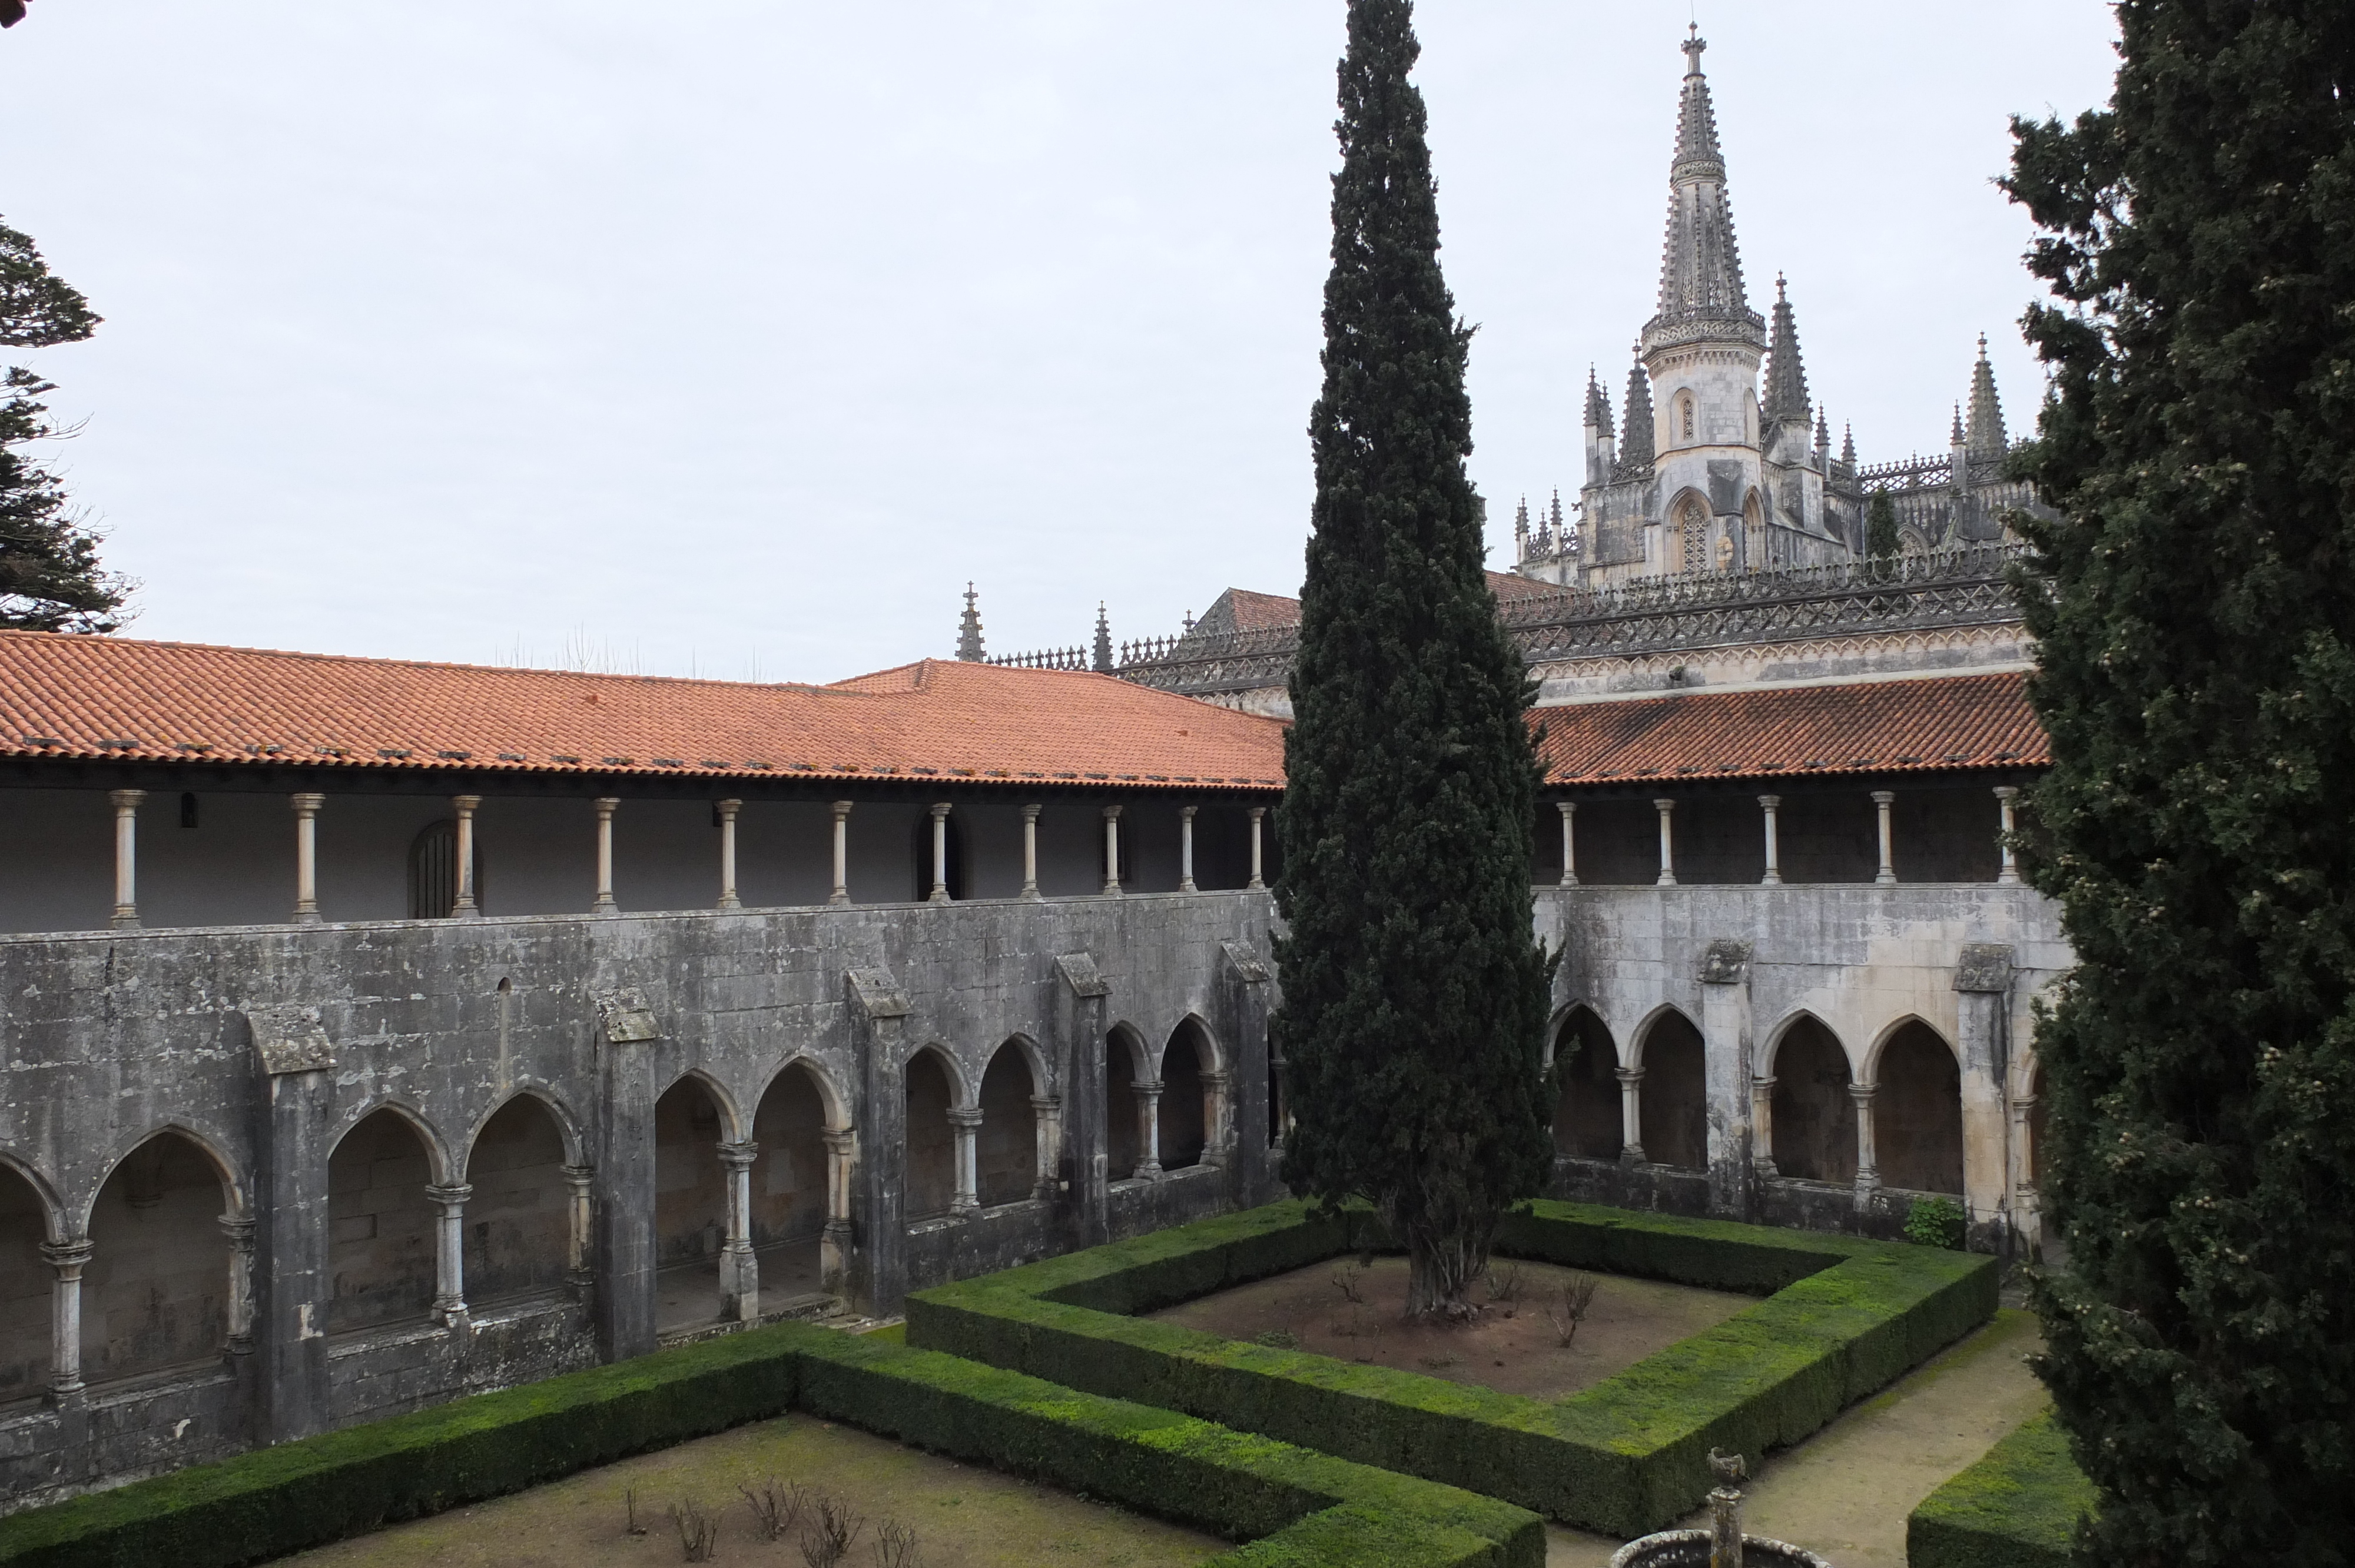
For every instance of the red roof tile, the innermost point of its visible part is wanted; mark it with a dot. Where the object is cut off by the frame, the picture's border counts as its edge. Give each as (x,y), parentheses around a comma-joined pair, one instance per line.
(113,697)
(1941,724)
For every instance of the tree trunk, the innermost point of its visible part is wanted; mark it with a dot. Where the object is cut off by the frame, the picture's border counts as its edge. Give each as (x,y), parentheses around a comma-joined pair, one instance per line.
(1442,1263)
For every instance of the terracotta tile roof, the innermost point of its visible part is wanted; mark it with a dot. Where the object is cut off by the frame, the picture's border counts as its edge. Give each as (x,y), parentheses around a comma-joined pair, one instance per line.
(123,700)
(1942,723)
(1240,609)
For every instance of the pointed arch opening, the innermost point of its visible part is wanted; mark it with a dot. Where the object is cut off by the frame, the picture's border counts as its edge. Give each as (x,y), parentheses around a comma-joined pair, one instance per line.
(26,1288)
(380,1223)
(1006,1144)
(1674,1100)
(791,1199)
(519,1238)
(1124,1109)
(1917,1111)
(691,1123)
(931,1175)
(1814,1116)
(156,1292)
(1587,1123)
(1188,1108)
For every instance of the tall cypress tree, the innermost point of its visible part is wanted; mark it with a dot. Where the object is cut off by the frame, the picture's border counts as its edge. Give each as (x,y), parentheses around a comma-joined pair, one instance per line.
(2196,622)
(1414,992)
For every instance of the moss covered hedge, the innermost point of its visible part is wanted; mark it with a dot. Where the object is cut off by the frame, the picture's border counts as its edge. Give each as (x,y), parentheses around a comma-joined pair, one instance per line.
(1295,1508)
(1841,1319)
(2017,1508)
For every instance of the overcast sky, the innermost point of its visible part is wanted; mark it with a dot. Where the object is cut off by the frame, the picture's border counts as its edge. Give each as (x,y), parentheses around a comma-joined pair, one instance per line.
(734,338)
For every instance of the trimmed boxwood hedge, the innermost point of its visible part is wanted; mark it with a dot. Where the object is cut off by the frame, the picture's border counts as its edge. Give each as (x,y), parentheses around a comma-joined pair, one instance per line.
(1842,1318)
(2017,1508)
(1296,1509)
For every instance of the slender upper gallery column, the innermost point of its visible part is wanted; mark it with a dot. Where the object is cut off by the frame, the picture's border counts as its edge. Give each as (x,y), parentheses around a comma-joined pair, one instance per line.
(1258,815)
(126,857)
(965,1122)
(1881,801)
(1867,1159)
(1148,1128)
(1112,850)
(1631,1115)
(68,1259)
(2006,795)
(841,893)
(463,907)
(1031,851)
(1668,810)
(1569,809)
(449,1253)
(1772,805)
(580,1248)
(307,857)
(727,810)
(1186,847)
(739,1271)
(940,893)
(606,806)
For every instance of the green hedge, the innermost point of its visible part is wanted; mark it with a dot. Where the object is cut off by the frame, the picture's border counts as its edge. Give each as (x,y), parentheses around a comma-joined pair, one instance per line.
(2017,1508)
(1296,1509)
(1845,1318)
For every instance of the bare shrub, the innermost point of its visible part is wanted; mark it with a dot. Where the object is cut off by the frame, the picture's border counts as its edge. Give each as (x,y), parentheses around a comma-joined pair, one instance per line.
(777,1507)
(698,1533)
(895,1546)
(1349,1279)
(829,1529)
(630,1503)
(1569,1306)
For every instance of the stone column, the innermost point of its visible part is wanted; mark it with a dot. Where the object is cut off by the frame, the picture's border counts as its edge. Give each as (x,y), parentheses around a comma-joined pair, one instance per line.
(940,893)
(739,1271)
(2027,1216)
(463,907)
(1887,876)
(727,810)
(1186,847)
(1047,1113)
(1569,809)
(1631,1116)
(307,857)
(2006,795)
(606,806)
(126,857)
(67,1258)
(1770,805)
(1112,850)
(1668,810)
(239,1231)
(841,893)
(1868,1167)
(833,1242)
(1215,1082)
(1982,1016)
(450,1254)
(1762,1127)
(579,1249)
(1258,815)
(1031,851)
(1725,1028)
(965,1122)
(1148,1128)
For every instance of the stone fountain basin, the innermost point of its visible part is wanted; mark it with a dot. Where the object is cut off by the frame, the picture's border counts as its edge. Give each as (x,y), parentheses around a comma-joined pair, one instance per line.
(1690,1549)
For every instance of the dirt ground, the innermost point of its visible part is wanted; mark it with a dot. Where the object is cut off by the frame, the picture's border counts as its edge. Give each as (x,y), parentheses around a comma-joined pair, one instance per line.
(1845,1492)
(964,1516)
(1513,1347)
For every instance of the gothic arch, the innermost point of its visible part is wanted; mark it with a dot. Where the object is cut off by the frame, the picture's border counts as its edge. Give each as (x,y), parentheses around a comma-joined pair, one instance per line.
(1811,1116)
(1781,1032)
(1587,1119)
(731,1119)
(1042,1077)
(1868,1071)
(53,1209)
(1641,1036)
(234,1201)
(962,1088)
(566,1126)
(829,1093)
(1141,1060)
(1207,1043)
(1672,1101)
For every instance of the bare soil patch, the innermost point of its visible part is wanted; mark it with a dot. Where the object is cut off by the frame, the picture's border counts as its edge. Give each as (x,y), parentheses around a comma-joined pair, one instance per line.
(963,1516)
(1513,1347)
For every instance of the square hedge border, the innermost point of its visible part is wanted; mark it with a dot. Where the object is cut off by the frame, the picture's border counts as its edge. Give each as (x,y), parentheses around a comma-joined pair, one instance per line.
(1295,1508)
(1842,1318)
(2017,1508)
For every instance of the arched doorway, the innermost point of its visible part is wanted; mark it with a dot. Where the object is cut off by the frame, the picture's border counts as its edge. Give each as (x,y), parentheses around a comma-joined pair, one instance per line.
(381,1225)
(1007,1143)
(790,1200)
(1917,1112)
(1587,1122)
(519,1214)
(1123,1142)
(1187,1111)
(1814,1114)
(155,1292)
(690,1204)
(433,871)
(931,1177)
(1673,1103)
(27,1289)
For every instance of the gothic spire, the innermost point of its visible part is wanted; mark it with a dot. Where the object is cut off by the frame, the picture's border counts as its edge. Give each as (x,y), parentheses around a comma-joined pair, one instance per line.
(1103,663)
(1521,530)
(969,630)
(1786,378)
(1847,445)
(1598,404)
(1701,267)
(1635,434)
(1823,431)
(1984,431)
(1957,438)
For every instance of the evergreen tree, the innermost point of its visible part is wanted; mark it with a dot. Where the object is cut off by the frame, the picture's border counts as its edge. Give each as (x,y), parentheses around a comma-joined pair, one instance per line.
(50,579)
(2196,622)
(1881,525)
(1414,992)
